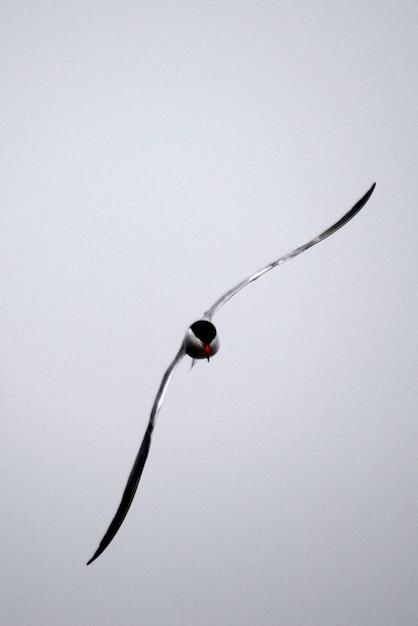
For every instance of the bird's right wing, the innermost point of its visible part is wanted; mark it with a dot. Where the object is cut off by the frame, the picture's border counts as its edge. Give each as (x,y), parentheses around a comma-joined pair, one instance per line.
(290,255)
(136,472)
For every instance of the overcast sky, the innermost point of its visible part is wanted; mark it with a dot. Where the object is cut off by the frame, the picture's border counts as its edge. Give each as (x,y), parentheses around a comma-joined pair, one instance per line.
(153,155)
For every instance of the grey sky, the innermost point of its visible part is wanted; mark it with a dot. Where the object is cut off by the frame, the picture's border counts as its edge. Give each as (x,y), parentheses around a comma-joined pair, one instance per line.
(154,154)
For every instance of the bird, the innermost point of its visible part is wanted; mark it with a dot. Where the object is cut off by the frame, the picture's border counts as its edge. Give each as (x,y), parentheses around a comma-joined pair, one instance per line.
(201,341)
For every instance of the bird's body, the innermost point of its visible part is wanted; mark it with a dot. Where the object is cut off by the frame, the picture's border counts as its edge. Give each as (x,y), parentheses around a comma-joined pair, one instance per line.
(201,341)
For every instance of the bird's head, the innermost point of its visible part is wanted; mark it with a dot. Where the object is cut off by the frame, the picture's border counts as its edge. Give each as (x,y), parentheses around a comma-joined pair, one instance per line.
(201,340)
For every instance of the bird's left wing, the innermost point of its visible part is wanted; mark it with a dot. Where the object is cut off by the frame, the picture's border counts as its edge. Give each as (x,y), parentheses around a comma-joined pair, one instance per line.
(290,255)
(136,472)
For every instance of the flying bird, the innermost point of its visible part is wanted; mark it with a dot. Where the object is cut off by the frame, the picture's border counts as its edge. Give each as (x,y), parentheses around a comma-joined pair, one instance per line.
(201,342)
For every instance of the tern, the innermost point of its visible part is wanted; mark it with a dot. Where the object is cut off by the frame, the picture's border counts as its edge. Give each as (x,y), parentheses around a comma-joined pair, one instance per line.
(202,342)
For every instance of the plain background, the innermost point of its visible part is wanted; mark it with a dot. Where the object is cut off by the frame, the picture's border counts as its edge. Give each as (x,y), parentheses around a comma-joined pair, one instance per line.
(153,155)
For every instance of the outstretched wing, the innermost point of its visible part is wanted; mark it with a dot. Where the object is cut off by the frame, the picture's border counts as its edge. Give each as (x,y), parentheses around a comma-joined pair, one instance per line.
(290,255)
(136,472)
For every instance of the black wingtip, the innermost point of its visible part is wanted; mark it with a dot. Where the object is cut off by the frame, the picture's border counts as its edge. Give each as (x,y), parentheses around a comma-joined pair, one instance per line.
(368,194)
(93,558)
(98,552)
(128,494)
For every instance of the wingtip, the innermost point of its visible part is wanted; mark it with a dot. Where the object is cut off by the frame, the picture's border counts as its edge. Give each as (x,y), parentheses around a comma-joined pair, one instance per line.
(93,558)
(369,193)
